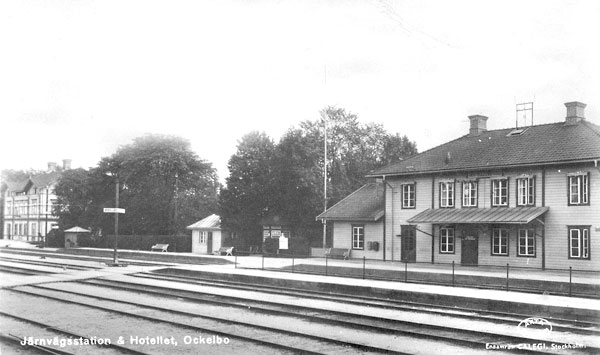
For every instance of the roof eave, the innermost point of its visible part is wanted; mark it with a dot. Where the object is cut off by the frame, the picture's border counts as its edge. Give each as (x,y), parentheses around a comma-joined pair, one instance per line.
(488,167)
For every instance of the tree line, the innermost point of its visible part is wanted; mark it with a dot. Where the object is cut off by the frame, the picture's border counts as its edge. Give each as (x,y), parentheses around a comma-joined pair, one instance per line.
(164,186)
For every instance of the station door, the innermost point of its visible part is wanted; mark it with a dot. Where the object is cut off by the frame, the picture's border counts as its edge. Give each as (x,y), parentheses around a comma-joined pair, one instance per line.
(469,251)
(408,243)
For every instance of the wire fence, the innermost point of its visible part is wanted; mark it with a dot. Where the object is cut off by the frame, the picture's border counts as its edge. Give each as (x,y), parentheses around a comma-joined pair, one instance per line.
(566,282)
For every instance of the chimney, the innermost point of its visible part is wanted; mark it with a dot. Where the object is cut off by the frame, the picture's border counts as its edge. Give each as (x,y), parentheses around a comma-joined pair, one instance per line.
(66,164)
(51,166)
(478,125)
(575,112)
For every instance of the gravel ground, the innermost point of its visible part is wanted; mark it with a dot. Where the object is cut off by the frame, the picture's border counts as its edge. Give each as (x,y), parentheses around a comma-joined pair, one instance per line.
(92,322)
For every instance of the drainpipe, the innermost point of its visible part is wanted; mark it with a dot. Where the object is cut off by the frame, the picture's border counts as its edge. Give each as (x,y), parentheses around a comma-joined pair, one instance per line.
(385,185)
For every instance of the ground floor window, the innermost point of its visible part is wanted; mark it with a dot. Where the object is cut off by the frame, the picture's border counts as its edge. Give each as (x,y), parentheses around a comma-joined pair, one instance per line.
(203,236)
(358,236)
(579,242)
(500,241)
(526,242)
(447,240)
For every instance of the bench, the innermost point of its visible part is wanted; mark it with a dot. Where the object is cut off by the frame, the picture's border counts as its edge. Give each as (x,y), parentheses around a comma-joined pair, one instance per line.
(160,247)
(338,253)
(228,251)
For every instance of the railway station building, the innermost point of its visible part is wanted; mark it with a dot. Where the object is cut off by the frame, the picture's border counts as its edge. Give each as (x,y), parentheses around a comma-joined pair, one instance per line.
(526,196)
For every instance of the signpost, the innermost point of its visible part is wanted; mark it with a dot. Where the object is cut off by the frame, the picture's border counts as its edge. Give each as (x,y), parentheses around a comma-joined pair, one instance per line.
(116,211)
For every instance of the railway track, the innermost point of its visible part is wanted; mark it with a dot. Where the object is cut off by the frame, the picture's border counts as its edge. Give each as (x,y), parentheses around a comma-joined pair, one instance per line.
(580,326)
(269,323)
(448,337)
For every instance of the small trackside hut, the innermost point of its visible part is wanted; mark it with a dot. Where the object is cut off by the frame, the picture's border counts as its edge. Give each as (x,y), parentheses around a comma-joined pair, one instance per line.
(526,196)
(207,235)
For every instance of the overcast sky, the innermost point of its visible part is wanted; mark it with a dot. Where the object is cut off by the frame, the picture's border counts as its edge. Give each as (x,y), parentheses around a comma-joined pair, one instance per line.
(80,78)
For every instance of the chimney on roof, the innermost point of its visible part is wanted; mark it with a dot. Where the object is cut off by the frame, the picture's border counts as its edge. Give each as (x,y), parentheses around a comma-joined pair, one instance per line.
(478,125)
(66,164)
(575,112)
(51,166)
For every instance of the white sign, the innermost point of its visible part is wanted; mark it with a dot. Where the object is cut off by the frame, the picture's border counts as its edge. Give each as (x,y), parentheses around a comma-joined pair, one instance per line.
(114,210)
(266,233)
(276,233)
(283,243)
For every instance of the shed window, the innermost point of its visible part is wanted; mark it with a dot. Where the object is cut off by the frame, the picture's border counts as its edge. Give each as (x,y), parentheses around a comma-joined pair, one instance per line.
(358,236)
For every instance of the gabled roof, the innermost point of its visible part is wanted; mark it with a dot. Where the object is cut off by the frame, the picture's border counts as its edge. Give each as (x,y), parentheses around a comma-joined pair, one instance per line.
(515,215)
(364,204)
(46,179)
(537,145)
(212,222)
(41,180)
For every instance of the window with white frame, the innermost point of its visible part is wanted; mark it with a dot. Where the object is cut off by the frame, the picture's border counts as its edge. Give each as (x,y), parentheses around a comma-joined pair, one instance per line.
(8,211)
(579,189)
(409,196)
(34,230)
(469,193)
(500,192)
(526,243)
(500,241)
(33,209)
(203,235)
(447,240)
(526,191)
(358,236)
(579,242)
(447,194)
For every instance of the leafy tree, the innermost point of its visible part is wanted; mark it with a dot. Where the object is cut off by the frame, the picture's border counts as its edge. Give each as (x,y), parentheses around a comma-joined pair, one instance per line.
(247,197)
(164,187)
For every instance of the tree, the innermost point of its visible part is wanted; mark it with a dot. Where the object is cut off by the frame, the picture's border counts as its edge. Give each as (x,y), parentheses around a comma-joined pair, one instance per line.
(247,197)
(287,179)
(164,187)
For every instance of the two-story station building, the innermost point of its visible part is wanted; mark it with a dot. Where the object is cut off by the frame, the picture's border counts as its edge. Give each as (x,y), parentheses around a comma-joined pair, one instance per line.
(528,197)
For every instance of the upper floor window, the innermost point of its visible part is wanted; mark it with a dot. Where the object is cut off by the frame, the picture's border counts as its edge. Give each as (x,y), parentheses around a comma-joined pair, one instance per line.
(8,211)
(469,191)
(579,189)
(447,194)
(447,240)
(526,191)
(500,241)
(526,241)
(500,192)
(409,196)
(579,242)
(358,236)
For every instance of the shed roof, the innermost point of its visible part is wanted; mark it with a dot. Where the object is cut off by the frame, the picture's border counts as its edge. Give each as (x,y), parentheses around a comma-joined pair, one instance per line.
(77,230)
(211,222)
(537,145)
(364,204)
(516,215)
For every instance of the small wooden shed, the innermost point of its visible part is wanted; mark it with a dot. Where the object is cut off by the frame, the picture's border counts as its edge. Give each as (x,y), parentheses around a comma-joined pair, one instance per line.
(207,235)
(72,235)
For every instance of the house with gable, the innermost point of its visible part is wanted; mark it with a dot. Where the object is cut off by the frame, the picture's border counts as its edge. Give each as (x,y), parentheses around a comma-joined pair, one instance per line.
(29,205)
(527,196)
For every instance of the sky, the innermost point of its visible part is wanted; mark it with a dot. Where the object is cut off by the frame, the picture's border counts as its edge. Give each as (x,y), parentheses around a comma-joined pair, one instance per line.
(79,78)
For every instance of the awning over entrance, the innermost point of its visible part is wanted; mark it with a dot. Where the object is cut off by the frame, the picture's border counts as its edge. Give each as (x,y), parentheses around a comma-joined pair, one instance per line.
(516,215)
